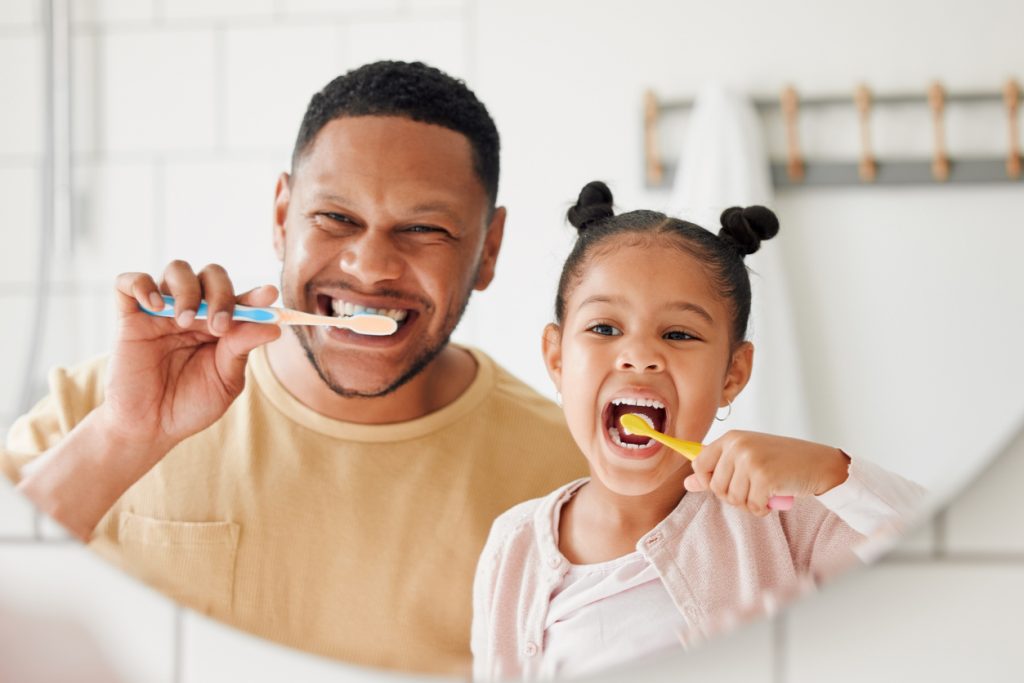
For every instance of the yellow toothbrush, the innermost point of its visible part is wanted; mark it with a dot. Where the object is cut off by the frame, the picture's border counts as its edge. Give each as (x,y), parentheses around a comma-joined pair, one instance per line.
(637,424)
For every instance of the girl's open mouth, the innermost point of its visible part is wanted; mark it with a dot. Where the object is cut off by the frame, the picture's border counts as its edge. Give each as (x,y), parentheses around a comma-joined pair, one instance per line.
(650,409)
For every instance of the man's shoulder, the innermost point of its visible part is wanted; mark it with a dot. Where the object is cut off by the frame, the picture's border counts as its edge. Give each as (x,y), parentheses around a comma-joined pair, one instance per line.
(513,394)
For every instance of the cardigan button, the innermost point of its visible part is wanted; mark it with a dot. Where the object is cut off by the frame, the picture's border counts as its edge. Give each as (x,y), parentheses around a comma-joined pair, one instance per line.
(554,561)
(530,650)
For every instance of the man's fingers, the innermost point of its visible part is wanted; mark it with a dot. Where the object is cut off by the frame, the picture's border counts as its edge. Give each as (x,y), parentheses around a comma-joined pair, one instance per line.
(220,298)
(137,289)
(264,295)
(181,282)
(233,352)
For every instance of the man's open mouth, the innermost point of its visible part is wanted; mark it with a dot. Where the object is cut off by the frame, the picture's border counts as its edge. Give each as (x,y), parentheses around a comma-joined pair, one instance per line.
(327,305)
(651,410)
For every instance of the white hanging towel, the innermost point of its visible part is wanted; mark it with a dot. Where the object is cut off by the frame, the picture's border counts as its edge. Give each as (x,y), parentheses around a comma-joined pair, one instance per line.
(724,162)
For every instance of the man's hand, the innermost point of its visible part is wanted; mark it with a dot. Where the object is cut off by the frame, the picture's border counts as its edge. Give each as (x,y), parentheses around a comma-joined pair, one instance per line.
(167,379)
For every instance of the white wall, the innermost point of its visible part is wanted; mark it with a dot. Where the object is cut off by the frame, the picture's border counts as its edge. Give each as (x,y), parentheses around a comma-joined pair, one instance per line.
(907,301)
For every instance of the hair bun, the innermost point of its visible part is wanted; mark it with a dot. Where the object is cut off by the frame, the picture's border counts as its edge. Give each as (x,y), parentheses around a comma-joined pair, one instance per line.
(594,204)
(745,228)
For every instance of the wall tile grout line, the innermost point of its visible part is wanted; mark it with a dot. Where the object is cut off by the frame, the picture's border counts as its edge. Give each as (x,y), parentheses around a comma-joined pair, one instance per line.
(220,80)
(779,633)
(38,542)
(940,534)
(178,648)
(271,20)
(988,559)
(159,208)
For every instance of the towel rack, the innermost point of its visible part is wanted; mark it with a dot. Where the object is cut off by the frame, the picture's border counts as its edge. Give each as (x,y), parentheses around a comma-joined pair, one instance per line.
(869,169)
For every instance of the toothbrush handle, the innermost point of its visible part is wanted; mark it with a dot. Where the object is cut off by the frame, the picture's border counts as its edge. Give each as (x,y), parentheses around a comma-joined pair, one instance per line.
(244,313)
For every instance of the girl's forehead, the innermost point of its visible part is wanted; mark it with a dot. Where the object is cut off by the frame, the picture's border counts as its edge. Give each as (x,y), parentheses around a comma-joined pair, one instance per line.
(650,270)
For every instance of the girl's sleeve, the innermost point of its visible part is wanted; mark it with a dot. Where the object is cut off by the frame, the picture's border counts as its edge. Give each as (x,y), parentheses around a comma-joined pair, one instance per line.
(875,503)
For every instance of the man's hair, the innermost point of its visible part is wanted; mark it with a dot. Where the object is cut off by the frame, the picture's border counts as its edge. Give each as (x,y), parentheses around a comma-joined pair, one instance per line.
(412,90)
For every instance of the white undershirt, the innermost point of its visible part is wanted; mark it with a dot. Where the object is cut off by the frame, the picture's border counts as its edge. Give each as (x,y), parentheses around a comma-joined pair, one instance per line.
(606,614)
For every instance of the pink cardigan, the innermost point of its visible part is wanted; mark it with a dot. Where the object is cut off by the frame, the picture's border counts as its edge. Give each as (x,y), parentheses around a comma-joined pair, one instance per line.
(719,563)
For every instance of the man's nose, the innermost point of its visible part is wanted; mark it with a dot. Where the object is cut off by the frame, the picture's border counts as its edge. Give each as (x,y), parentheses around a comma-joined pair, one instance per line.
(371,258)
(640,356)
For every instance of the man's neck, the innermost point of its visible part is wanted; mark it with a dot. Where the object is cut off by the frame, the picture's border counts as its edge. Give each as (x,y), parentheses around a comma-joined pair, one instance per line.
(444,379)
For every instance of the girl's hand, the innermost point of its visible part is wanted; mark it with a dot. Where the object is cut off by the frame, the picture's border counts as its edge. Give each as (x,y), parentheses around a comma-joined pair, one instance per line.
(747,468)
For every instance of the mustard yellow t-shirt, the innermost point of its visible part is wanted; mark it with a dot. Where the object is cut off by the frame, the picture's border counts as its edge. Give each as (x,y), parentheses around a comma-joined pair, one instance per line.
(353,541)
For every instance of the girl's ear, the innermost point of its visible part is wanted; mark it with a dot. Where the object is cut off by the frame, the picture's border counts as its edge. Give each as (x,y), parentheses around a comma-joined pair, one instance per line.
(551,347)
(740,367)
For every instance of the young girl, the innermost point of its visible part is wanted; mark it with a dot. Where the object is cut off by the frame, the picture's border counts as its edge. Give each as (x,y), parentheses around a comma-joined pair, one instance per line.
(651,551)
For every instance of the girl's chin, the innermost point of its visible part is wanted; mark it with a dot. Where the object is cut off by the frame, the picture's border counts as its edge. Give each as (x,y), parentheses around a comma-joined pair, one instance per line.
(631,483)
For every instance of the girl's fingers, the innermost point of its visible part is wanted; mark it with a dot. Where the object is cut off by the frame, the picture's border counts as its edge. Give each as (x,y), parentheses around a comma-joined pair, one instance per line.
(721,477)
(739,488)
(693,484)
(704,464)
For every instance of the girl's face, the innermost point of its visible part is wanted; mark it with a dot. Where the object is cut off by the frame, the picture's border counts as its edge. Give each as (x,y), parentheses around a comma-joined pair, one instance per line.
(643,332)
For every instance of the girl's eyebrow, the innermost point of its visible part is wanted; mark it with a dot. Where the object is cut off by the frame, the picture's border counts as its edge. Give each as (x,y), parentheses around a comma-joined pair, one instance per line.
(675,305)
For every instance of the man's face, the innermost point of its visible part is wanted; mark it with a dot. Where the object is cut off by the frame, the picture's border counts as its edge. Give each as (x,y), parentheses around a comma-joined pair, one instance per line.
(388,214)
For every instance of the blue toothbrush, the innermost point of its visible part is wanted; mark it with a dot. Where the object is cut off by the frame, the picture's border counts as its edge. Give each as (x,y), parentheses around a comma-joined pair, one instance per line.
(361,323)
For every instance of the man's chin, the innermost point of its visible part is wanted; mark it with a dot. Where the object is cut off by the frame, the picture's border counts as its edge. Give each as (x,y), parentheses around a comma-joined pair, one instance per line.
(366,383)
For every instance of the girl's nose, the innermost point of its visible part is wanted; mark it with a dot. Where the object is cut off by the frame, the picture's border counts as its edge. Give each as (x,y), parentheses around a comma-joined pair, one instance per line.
(640,357)
(371,258)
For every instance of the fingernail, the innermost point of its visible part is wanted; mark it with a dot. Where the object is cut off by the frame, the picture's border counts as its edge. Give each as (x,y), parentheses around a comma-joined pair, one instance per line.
(221,321)
(185,318)
(156,302)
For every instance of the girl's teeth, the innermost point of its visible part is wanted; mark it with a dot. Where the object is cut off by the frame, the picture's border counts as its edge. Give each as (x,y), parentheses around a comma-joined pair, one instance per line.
(614,434)
(642,402)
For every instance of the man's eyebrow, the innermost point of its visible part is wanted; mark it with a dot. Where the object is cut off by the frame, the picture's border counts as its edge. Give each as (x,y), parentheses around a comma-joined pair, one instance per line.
(436,207)
(426,207)
(675,305)
(330,197)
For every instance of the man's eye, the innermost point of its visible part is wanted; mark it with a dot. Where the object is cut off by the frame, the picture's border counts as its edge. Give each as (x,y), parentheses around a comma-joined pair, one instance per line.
(337,217)
(426,229)
(605,330)
(678,335)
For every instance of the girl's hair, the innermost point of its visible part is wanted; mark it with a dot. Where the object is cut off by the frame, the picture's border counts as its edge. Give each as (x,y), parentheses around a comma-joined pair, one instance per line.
(742,231)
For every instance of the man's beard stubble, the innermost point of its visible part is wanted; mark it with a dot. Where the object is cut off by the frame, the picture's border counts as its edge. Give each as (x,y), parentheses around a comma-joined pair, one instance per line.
(419,363)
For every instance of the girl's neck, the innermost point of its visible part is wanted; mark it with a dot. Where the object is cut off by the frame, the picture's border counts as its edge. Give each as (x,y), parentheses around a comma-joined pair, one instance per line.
(598,524)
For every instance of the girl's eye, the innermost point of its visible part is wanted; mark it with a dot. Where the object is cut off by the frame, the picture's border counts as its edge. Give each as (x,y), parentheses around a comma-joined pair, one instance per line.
(678,335)
(339,217)
(605,330)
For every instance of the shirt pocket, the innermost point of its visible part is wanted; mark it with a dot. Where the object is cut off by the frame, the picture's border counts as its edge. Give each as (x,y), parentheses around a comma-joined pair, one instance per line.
(192,562)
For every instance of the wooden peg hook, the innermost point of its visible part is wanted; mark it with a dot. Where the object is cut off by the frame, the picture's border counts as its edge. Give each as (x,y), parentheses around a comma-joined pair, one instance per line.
(790,104)
(937,102)
(867,169)
(1011,97)
(653,168)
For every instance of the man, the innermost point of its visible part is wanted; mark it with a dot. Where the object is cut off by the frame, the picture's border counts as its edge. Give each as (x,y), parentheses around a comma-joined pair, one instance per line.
(329,490)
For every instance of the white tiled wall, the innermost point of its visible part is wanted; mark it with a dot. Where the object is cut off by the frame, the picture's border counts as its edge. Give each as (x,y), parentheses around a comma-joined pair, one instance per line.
(185,111)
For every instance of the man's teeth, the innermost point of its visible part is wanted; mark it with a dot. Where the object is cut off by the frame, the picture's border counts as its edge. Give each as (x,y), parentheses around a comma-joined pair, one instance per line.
(643,402)
(614,433)
(348,309)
